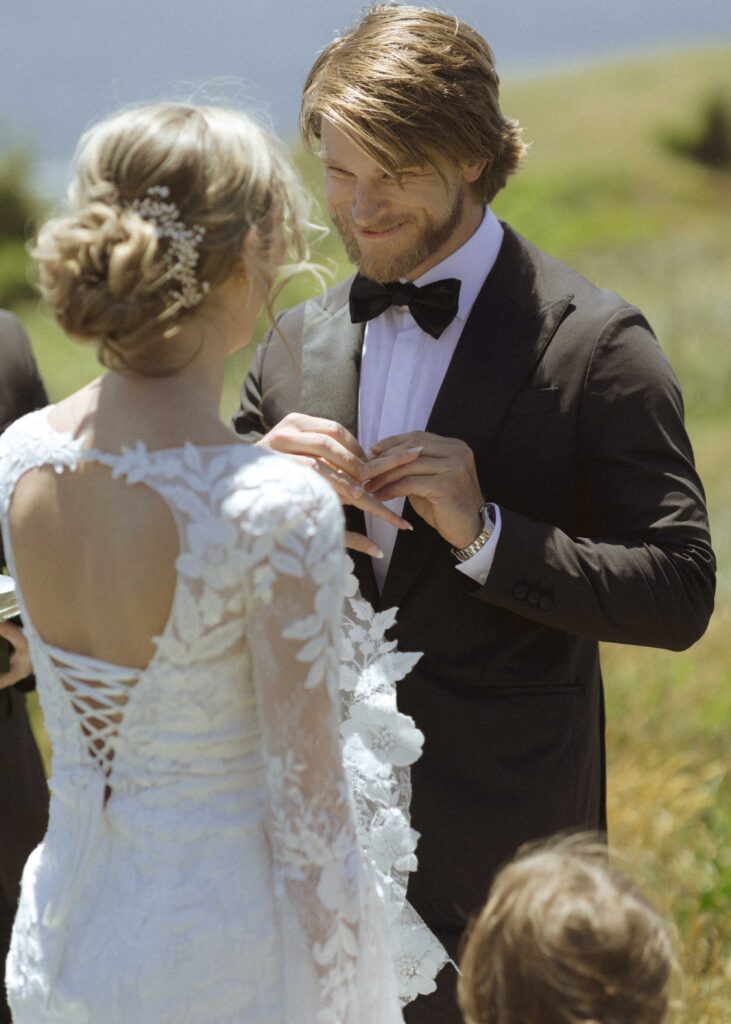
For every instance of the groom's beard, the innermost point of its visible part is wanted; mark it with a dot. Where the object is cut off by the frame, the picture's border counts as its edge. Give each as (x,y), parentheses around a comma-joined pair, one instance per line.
(423,235)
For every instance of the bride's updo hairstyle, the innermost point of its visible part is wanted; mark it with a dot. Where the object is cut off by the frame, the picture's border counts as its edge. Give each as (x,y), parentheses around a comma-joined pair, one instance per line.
(116,272)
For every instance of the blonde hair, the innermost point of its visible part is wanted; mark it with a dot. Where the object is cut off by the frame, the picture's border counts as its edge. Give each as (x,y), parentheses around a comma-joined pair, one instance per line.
(410,85)
(565,938)
(102,267)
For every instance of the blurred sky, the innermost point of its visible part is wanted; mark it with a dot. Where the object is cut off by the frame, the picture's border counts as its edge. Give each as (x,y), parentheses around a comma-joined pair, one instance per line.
(65,63)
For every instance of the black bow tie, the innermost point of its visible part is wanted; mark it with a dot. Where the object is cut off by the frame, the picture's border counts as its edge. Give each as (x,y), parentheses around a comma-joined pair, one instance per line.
(433,306)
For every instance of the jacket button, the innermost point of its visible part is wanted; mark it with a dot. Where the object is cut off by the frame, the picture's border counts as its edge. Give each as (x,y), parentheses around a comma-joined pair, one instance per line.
(546,602)
(534,597)
(520,591)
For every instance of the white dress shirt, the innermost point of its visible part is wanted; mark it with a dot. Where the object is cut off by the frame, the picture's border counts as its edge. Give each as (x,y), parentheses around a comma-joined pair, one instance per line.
(402,370)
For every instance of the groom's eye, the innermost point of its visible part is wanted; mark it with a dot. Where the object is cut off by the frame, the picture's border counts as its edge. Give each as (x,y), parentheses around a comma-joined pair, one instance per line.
(409,174)
(340,171)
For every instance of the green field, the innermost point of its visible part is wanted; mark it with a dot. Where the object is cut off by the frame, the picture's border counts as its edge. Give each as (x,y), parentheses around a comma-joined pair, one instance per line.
(600,191)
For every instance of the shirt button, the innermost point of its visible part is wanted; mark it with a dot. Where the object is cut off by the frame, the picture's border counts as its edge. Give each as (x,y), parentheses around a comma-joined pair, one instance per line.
(546,602)
(520,591)
(534,597)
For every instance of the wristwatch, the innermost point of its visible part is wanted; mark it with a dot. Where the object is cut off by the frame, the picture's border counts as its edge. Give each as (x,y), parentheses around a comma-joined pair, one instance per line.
(487,514)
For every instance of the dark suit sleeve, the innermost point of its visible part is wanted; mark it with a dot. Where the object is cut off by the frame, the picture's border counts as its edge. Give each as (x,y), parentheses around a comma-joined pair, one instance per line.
(21,387)
(644,573)
(21,392)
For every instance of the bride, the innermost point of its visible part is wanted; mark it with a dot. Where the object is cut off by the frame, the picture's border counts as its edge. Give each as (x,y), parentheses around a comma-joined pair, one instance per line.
(182,593)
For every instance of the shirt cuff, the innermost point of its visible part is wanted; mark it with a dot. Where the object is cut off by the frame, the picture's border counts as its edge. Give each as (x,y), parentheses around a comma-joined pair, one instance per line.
(478,567)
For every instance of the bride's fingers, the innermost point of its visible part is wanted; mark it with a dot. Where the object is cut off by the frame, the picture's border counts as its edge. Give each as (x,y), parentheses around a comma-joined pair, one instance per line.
(348,490)
(368,503)
(299,434)
(392,459)
(351,493)
(359,542)
(354,494)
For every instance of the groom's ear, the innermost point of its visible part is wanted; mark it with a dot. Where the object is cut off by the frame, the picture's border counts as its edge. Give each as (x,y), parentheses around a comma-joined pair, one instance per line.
(472,171)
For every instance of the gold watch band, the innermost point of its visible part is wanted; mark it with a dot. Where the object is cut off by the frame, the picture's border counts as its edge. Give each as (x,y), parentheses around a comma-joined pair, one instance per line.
(488,526)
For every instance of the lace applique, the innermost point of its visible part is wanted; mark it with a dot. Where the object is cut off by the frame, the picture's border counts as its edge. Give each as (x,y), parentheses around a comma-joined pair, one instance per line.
(29,443)
(380,743)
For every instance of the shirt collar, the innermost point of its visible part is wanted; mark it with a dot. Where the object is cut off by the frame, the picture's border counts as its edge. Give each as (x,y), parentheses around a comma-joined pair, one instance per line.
(471,263)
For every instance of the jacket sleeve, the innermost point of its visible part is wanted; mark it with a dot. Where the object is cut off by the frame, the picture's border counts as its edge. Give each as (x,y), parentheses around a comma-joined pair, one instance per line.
(644,573)
(21,387)
(272,387)
(21,392)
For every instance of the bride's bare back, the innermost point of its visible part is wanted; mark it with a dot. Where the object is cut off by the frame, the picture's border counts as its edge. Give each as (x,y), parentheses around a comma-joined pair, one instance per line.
(95,555)
(112,550)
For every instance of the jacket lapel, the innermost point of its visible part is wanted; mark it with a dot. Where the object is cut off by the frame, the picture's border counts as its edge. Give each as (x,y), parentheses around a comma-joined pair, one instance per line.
(331,352)
(505,336)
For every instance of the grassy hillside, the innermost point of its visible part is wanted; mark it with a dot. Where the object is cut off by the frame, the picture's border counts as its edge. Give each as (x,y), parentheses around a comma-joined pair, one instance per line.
(599,191)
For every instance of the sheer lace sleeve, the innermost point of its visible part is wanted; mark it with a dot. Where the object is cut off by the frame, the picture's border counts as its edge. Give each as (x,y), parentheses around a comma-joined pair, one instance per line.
(337,968)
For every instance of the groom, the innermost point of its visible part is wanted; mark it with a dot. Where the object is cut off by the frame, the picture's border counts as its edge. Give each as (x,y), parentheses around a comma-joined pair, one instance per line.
(554,500)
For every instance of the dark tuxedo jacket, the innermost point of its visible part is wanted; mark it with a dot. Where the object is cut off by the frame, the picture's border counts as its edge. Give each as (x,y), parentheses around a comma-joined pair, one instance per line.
(576,423)
(23,793)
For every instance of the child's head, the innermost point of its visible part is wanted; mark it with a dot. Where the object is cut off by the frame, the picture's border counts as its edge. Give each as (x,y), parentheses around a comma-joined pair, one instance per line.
(565,938)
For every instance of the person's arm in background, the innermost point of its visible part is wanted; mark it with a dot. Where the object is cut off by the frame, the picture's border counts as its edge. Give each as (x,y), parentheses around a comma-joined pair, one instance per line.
(21,391)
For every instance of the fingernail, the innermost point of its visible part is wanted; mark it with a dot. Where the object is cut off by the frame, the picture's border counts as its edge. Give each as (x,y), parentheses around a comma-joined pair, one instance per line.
(355,490)
(405,525)
(419,448)
(378,553)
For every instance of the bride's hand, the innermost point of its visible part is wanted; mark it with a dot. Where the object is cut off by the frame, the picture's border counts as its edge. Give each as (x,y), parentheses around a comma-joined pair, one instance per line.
(330,449)
(20,663)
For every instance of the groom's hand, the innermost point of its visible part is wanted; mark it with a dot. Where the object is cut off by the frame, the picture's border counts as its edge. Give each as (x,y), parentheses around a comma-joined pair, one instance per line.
(333,451)
(441,483)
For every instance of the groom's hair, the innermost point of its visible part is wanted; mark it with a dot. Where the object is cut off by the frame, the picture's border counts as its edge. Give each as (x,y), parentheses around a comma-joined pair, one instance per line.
(565,938)
(410,86)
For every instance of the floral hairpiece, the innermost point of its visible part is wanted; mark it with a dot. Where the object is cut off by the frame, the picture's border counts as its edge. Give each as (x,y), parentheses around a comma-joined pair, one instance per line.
(181,255)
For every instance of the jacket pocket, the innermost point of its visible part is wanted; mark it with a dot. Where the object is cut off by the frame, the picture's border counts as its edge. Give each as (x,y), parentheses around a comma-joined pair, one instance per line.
(534,401)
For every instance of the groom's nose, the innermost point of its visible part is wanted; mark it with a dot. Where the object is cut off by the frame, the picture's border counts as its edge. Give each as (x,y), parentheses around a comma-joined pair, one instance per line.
(368,203)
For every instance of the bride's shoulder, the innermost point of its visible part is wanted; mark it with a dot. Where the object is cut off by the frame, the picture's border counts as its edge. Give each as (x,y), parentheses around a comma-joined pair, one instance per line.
(273,486)
(35,422)
(31,434)
(30,442)
(53,424)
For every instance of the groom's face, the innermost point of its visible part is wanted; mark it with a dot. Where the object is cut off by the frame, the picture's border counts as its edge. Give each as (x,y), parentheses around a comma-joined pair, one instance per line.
(394,229)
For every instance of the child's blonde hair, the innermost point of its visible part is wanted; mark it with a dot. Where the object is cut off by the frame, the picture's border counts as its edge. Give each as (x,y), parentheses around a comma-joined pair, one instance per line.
(565,938)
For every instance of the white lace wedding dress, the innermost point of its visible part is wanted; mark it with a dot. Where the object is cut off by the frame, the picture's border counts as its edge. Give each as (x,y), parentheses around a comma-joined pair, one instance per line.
(202,862)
